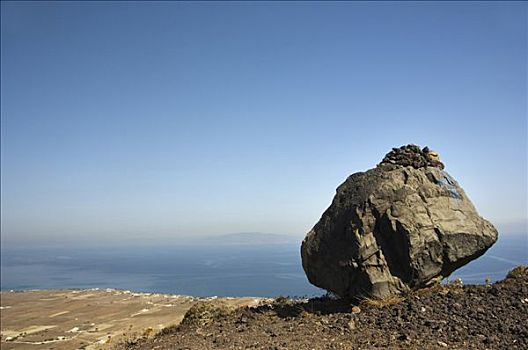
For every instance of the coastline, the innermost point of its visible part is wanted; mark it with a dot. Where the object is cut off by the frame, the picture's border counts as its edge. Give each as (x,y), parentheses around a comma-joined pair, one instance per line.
(453,315)
(91,318)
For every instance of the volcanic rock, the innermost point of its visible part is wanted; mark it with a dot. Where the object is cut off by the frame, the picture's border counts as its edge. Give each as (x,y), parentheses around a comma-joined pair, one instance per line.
(398,227)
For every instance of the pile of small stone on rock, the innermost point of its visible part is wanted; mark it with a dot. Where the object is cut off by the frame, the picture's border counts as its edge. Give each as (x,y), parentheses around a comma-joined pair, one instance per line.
(412,155)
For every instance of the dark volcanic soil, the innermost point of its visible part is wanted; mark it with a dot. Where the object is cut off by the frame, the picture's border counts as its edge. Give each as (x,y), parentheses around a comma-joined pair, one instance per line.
(444,317)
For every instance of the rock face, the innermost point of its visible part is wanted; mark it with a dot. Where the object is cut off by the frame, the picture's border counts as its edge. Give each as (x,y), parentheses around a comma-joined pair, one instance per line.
(400,226)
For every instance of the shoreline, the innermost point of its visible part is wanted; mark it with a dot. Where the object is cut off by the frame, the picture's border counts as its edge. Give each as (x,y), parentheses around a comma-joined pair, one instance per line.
(123,291)
(107,318)
(91,318)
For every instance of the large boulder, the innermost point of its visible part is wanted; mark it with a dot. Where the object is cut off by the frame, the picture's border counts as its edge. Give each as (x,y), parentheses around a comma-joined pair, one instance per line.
(400,226)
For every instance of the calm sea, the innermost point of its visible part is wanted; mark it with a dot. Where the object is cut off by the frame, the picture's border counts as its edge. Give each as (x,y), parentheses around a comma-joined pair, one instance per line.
(201,270)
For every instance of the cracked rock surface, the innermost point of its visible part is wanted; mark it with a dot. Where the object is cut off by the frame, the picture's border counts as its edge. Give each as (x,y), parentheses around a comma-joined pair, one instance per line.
(398,227)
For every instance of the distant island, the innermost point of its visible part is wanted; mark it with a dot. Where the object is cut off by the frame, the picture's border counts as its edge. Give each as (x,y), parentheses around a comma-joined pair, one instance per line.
(252,238)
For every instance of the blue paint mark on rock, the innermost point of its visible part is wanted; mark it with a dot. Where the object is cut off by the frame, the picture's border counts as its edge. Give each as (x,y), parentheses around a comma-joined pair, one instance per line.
(449,183)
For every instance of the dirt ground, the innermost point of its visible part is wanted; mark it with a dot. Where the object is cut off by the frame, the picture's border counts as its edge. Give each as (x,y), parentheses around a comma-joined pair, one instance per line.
(444,317)
(89,319)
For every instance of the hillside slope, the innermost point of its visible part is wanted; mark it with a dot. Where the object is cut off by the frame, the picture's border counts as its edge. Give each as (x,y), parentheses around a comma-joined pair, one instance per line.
(453,316)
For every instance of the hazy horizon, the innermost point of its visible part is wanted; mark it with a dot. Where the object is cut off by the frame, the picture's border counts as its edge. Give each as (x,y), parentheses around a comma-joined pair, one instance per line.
(127,121)
(518,229)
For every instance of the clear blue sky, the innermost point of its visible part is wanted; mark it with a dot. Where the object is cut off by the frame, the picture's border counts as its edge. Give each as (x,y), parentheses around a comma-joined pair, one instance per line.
(171,119)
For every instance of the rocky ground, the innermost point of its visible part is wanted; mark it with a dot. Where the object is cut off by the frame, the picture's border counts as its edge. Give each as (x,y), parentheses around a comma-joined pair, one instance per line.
(443,317)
